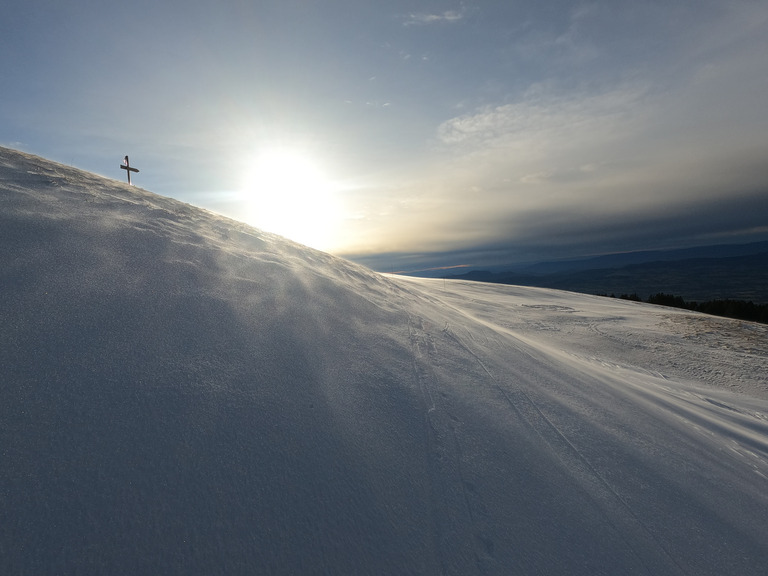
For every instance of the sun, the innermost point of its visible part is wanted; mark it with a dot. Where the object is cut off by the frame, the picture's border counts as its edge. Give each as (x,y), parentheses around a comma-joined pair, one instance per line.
(288,193)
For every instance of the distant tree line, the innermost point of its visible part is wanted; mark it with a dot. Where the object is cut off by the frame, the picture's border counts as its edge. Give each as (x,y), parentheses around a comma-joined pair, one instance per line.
(738,309)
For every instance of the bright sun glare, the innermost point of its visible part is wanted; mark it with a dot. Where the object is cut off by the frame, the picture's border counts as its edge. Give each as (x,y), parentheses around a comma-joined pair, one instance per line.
(289,194)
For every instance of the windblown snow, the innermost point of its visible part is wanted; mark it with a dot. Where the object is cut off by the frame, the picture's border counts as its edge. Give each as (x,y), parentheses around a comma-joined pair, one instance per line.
(184,394)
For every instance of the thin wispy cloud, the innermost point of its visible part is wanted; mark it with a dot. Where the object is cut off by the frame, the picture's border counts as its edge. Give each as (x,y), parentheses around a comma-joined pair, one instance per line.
(543,114)
(421,19)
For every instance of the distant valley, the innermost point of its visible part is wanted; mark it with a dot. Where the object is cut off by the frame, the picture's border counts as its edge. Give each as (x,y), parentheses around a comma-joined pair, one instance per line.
(738,272)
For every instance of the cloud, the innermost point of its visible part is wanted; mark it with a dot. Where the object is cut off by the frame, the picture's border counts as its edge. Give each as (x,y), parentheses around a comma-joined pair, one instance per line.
(421,19)
(543,115)
(623,165)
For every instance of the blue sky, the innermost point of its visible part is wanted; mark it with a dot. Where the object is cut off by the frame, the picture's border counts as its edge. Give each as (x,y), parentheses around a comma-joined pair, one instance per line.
(425,133)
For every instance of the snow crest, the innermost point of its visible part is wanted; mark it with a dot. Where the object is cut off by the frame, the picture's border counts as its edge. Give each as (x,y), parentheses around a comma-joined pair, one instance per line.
(184,394)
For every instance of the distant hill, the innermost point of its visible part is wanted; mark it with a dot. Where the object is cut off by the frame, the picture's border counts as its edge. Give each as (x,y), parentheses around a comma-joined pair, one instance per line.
(737,272)
(622,259)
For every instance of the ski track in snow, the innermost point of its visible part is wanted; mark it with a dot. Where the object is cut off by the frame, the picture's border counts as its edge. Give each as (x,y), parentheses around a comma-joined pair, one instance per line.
(683,409)
(183,394)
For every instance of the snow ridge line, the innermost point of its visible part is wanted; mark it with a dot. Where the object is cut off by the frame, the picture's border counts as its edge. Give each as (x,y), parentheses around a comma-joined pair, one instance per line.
(432,447)
(437,451)
(593,483)
(573,459)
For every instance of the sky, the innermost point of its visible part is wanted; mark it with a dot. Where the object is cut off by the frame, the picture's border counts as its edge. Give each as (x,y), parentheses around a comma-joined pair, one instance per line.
(412,134)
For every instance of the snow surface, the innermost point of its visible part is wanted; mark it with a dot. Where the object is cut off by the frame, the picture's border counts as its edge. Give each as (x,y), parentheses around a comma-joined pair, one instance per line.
(183,394)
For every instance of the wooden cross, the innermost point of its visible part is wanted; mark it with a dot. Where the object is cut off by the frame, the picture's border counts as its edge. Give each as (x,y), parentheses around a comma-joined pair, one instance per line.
(128,168)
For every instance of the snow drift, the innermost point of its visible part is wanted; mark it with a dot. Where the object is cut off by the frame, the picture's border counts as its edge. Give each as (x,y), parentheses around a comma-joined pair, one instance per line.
(183,394)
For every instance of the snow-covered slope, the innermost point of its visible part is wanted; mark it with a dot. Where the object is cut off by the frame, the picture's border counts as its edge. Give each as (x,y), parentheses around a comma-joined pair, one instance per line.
(183,394)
